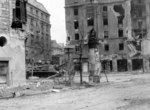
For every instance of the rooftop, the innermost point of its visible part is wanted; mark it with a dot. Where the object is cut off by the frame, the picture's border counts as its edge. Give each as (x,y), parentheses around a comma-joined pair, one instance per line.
(38,5)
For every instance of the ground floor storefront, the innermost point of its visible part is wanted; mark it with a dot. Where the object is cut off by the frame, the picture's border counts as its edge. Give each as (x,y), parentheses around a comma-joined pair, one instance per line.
(127,64)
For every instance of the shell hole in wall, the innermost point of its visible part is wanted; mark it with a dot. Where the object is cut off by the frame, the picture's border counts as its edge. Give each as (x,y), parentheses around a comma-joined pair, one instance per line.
(3,41)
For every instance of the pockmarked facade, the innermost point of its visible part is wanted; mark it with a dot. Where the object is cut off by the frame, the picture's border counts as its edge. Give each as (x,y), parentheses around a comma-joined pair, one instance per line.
(120,26)
(12,42)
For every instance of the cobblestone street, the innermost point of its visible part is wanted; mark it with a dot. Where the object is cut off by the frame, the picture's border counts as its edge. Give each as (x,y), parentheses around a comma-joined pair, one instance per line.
(112,96)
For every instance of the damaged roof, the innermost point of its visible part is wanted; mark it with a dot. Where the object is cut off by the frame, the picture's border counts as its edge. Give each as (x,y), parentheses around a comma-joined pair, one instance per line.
(38,4)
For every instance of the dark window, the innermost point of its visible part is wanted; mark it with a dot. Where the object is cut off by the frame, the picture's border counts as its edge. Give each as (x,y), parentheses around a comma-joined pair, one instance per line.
(90,22)
(105,8)
(105,34)
(90,15)
(68,38)
(76,24)
(41,15)
(105,21)
(47,28)
(121,46)
(19,14)
(120,21)
(106,47)
(77,48)
(120,33)
(76,36)
(37,13)
(76,11)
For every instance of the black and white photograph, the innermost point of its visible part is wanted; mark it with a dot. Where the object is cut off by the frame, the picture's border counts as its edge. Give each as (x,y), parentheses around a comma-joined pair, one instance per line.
(74,54)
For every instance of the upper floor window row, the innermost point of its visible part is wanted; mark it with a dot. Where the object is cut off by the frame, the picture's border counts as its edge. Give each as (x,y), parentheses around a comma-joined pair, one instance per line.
(39,14)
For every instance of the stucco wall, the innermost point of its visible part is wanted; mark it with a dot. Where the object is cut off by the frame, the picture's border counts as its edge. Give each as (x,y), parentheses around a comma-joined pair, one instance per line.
(14,52)
(14,49)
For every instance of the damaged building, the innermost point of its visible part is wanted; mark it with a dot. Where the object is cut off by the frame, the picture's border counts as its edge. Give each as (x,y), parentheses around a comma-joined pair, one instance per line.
(122,29)
(12,42)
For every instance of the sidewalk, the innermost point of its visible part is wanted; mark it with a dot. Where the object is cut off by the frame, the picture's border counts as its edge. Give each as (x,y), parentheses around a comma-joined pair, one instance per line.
(44,86)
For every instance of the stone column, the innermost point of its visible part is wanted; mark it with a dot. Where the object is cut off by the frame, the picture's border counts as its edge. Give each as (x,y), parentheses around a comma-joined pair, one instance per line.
(129,64)
(95,66)
(145,64)
(114,61)
(92,64)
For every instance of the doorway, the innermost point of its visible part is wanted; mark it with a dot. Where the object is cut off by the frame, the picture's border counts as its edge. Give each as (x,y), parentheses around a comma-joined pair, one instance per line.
(122,65)
(4,67)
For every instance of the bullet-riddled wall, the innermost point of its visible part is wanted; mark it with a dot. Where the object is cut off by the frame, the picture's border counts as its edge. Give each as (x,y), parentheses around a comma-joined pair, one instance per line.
(12,48)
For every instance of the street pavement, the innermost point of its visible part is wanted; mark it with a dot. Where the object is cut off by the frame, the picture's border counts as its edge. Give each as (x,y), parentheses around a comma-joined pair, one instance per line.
(123,92)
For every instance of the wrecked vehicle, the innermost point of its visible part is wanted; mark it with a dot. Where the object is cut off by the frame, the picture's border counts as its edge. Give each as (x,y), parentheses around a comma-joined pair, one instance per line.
(42,71)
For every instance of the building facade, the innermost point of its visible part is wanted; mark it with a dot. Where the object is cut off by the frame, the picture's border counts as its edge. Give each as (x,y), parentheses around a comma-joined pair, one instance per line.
(120,26)
(12,42)
(38,45)
(56,48)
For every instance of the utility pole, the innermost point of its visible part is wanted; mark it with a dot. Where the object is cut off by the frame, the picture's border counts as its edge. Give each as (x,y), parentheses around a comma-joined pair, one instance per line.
(80,57)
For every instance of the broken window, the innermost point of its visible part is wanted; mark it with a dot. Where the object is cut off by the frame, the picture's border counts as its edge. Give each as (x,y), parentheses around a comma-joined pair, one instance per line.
(92,33)
(90,22)
(120,20)
(120,12)
(105,8)
(120,33)
(106,47)
(76,36)
(105,34)
(19,14)
(90,15)
(121,46)
(105,21)
(76,11)
(76,24)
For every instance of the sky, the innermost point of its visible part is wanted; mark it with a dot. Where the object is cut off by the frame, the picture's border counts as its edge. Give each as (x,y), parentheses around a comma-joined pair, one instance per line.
(57,19)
